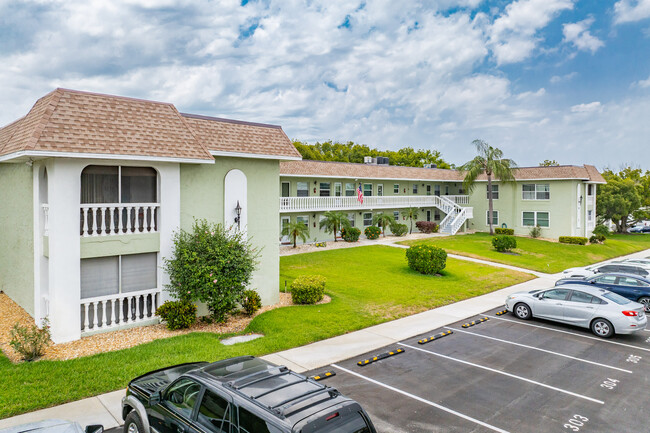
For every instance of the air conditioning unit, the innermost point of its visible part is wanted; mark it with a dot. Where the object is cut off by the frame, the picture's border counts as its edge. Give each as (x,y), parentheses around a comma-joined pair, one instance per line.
(367,159)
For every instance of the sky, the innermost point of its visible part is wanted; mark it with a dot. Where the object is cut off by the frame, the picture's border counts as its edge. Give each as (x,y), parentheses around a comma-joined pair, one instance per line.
(564,80)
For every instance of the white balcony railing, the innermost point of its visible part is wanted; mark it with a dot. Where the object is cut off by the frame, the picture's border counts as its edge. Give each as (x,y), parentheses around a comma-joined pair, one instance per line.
(590,200)
(112,311)
(118,218)
(316,204)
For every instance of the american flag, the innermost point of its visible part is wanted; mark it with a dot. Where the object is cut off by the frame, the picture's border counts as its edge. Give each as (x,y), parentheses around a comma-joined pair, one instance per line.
(360,194)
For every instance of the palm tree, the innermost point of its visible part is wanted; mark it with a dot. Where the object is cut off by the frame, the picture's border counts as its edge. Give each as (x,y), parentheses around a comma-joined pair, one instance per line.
(296,229)
(491,162)
(334,221)
(412,214)
(382,220)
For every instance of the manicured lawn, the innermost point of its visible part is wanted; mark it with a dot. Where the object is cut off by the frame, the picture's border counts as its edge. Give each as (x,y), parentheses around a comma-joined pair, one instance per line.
(368,285)
(539,255)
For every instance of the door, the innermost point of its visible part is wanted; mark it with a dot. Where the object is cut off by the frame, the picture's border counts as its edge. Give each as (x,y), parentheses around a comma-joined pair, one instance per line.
(437,190)
(176,408)
(631,288)
(580,308)
(551,303)
(604,282)
(285,189)
(428,215)
(215,413)
(284,222)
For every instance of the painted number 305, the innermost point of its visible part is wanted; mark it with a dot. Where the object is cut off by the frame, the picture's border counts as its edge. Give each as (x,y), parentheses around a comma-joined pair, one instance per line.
(575,422)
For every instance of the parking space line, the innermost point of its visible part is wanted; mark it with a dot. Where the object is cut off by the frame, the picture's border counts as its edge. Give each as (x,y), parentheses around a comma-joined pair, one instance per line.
(505,374)
(540,349)
(602,340)
(420,399)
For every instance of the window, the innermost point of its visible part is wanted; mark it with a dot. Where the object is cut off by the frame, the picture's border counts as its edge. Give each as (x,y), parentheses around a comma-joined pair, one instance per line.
(396,215)
(581,297)
(303,219)
(396,188)
(532,219)
(446,189)
(338,189)
(436,215)
(214,413)
(616,298)
(249,423)
(590,215)
(437,190)
(324,189)
(428,189)
(111,184)
(350,190)
(351,218)
(302,189)
(367,190)
(182,396)
(632,282)
(495,192)
(495,217)
(536,191)
(590,189)
(285,189)
(367,218)
(557,294)
(103,276)
(606,279)
(415,188)
(380,190)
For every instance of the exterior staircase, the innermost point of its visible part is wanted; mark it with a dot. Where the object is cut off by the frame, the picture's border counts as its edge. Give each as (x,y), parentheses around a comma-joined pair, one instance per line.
(456,216)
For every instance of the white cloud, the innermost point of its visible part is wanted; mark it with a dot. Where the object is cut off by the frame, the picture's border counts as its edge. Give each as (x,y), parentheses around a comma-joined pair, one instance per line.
(578,34)
(586,108)
(644,84)
(514,34)
(628,11)
(560,78)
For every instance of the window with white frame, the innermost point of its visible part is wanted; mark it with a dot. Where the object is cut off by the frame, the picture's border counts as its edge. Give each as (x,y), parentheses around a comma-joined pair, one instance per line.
(103,276)
(539,191)
(380,190)
(436,215)
(495,217)
(534,218)
(428,189)
(495,192)
(396,215)
(396,188)
(117,184)
(338,189)
(350,190)
(436,190)
(590,215)
(415,188)
(446,189)
(303,219)
(325,189)
(351,218)
(367,218)
(367,190)
(302,189)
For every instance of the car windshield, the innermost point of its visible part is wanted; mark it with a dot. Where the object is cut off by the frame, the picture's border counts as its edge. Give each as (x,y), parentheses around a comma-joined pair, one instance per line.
(616,298)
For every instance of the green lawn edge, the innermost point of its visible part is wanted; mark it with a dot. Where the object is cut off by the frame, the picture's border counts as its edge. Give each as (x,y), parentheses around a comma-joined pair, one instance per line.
(368,285)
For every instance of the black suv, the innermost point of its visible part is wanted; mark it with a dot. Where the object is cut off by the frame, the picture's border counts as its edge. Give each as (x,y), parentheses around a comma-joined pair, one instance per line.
(237,395)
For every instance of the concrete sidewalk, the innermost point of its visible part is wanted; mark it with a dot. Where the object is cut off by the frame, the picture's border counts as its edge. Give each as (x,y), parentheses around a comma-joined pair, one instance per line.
(105,409)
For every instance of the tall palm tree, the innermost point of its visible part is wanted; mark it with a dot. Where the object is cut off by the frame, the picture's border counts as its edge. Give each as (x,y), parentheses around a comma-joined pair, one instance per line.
(334,221)
(296,229)
(412,214)
(490,161)
(382,220)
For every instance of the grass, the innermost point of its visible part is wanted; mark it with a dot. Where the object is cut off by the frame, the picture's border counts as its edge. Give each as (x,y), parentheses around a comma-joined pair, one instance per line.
(368,285)
(540,255)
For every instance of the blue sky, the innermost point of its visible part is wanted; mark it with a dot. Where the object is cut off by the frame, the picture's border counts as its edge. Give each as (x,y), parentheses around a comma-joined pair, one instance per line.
(541,79)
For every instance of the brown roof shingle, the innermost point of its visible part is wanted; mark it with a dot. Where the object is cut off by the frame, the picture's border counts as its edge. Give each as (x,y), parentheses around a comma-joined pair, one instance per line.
(371,171)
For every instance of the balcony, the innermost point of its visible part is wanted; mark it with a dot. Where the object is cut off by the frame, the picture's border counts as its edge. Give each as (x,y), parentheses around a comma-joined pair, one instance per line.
(119,310)
(320,204)
(107,219)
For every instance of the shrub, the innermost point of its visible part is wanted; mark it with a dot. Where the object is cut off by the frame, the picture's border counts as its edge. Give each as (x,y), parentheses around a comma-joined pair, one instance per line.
(350,234)
(597,239)
(210,264)
(372,232)
(251,302)
(427,226)
(177,314)
(535,232)
(504,231)
(308,289)
(426,259)
(577,240)
(320,244)
(30,341)
(503,243)
(601,230)
(398,229)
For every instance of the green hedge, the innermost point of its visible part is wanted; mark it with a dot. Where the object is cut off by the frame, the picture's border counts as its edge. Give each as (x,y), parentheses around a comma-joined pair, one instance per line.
(577,240)
(398,229)
(503,231)
(177,314)
(372,232)
(251,302)
(426,259)
(597,239)
(308,289)
(350,234)
(503,243)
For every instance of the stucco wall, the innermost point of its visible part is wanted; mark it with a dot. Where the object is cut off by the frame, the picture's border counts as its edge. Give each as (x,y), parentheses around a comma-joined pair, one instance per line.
(202,196)
(17,234)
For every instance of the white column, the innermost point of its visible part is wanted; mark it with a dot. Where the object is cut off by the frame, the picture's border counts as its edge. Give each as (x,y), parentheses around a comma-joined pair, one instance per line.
(64,184)
(169,216)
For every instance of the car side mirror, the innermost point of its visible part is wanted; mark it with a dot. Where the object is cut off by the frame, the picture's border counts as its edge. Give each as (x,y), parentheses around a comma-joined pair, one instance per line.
(155,398)
(95,428)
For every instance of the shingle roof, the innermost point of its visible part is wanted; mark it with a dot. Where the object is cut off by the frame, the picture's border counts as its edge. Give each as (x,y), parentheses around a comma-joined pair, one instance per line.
(228,136)
(82,123)
(371,171)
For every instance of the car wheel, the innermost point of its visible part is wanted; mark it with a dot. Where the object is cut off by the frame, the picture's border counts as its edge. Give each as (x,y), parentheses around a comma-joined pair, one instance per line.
(522,311)
(646,303)
(602,328)
(133,423)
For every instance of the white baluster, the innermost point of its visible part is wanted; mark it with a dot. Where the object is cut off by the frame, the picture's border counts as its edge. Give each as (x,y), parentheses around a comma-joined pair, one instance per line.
(102,211)
(85,215)
(94,316)
(104,321)
(119,219)
(94,212)
(152,212)
(137,308)
(111,220)
(86,323)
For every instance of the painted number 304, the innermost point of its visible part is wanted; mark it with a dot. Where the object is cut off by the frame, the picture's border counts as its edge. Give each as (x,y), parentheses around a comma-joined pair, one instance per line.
(575,422)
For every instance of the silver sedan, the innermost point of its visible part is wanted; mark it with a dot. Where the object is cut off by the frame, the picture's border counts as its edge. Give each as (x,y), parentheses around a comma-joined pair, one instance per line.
(600,310)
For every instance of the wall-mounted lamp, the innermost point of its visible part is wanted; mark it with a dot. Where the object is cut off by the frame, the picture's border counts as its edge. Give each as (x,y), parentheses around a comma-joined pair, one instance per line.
(314,190)
(314,216)
(404,189)
(238,217)
(315,183)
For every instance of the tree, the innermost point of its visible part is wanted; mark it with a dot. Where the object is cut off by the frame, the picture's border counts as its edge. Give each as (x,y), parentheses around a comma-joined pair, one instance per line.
(334,221)
(549,163)
(619,200)
(296,229)
(490,162)
(412,214)
(382,220)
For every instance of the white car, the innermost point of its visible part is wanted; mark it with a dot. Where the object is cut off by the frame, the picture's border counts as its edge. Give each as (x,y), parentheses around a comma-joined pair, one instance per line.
(600,310)
(605,268)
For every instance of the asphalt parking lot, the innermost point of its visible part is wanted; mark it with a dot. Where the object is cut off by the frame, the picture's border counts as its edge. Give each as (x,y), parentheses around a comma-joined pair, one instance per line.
(504,375)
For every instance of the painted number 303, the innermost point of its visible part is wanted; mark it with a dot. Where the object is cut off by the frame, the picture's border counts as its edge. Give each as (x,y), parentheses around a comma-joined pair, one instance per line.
(575,422)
